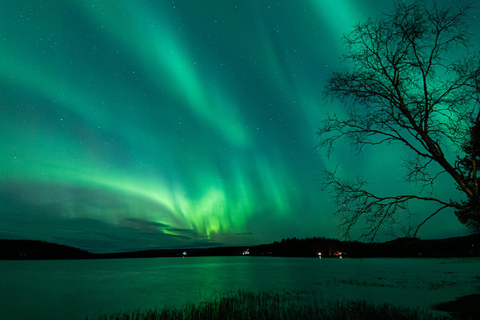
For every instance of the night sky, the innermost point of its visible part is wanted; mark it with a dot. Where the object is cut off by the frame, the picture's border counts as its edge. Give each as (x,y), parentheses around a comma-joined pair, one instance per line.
(142,124)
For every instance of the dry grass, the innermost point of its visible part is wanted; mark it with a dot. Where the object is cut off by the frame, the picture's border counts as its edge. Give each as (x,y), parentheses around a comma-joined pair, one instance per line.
(268,305)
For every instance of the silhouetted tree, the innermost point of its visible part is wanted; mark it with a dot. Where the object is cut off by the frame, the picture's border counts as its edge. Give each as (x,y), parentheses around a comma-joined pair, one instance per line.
(411,80)
(468,212)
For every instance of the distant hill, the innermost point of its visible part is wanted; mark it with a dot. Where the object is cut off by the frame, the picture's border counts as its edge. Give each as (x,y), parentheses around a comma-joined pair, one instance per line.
(200,252)
(39,250)
(468,246)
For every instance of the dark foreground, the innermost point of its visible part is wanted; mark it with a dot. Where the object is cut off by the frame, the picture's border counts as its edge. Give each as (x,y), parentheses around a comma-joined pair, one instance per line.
(467,307)
(269,305)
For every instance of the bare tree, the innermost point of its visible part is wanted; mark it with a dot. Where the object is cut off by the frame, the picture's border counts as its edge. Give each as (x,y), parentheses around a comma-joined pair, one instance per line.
(411,79)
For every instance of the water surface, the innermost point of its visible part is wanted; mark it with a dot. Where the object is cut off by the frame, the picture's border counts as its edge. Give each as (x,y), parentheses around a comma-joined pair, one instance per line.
(74,289)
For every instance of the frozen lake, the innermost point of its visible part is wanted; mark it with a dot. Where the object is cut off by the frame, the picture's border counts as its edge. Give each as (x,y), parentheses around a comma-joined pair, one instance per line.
(79,288)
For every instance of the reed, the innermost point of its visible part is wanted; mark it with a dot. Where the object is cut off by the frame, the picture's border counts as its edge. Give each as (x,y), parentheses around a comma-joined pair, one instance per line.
(269,305)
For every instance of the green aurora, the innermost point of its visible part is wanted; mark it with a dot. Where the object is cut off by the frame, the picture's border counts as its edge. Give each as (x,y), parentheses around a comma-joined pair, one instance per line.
(144,124)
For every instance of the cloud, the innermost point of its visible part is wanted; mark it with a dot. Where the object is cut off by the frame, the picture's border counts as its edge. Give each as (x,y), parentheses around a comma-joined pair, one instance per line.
(98,236)
(79,218)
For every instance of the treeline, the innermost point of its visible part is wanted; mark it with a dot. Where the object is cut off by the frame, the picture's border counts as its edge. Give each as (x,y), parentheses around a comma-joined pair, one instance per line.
(402,247)
(309,247)
(468,246)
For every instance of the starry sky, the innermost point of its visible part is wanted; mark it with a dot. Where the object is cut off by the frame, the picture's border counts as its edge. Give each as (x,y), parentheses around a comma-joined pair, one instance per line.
(130,125)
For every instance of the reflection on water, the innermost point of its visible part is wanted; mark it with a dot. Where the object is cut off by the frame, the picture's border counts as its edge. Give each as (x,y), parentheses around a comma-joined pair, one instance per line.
(74,289)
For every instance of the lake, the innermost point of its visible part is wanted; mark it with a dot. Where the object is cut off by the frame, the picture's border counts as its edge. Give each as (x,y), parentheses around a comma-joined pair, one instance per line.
(74,289)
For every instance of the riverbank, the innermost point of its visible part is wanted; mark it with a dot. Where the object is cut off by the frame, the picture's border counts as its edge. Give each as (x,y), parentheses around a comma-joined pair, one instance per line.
(467,307)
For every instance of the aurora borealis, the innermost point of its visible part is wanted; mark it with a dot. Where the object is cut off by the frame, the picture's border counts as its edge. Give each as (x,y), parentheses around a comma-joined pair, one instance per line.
(145,124)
